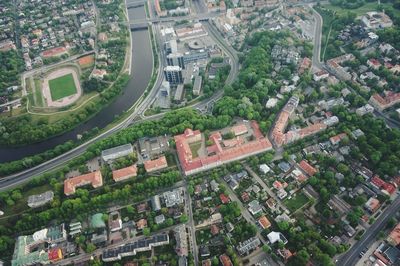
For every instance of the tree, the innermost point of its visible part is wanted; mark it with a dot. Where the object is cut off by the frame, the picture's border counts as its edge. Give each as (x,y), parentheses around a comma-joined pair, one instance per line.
(266,249)
(90,248)
(146,231)
(183,219)
(283,226)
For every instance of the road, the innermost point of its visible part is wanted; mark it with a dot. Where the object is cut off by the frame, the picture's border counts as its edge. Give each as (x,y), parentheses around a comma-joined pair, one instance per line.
(316,59)
(351,257)
(389,121)
(199,16)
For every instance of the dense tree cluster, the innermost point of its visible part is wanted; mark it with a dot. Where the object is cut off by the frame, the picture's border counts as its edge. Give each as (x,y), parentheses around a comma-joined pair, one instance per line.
(10,67)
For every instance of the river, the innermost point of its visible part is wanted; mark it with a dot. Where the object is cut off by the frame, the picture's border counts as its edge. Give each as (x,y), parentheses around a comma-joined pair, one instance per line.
(142,65)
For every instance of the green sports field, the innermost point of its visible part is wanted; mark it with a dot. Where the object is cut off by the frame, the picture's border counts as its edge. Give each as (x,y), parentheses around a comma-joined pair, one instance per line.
(62,87)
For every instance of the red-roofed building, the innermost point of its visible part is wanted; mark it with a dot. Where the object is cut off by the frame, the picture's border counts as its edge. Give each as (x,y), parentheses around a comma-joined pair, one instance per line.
(125,173)
(336,139)
(225,260)
(218,155)
(214,229)
(377,181)
(388,100)
(155,165)
(142,223)
(307,168)
(285,254)
(372,205)
(385,187)
(264,222)
(245,197)
(55,254)
(94,178)
(277,185)
(57,51)
(239,129)
(373,63)
(224,199)
(394,236)
(389,188)
(305,64)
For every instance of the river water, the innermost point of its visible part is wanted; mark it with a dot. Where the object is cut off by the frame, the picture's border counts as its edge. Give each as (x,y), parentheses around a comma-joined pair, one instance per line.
(142,65)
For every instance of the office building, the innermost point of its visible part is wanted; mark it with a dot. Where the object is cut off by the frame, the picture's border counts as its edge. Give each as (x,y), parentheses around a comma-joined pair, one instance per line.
(173,74)
(176,59)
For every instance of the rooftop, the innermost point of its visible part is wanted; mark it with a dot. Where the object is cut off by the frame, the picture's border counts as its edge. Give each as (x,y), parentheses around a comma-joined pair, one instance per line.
(124,173)
(94,178)
(218,153)
(156,164)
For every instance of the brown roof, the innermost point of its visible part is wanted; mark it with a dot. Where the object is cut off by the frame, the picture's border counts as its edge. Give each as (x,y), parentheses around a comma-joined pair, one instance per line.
(239,129)
(54,52)
(220,155)
(307,168)
(394,236)
(142,223)
(157,164)
(225,260)
(264,222)
(214,229)
(125,173)
(94,178)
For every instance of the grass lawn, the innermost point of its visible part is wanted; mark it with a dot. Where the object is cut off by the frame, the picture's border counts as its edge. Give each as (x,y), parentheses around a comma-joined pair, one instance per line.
(296,202)
(373,6)
(38,93)
(62,87)
(194,148)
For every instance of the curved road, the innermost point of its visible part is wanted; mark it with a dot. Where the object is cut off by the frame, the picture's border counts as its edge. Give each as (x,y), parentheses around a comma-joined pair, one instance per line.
(19,178)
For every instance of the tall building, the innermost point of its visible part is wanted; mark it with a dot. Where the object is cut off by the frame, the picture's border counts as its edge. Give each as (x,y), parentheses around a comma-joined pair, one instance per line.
(173,74)
(176,59)
(170,47)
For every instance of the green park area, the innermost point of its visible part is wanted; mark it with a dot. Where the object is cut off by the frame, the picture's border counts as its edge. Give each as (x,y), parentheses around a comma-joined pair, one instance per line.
(62,87)
(367,7)
(296,202)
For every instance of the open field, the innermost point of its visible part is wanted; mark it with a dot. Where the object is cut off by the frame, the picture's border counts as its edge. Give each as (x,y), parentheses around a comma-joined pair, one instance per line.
(62,87)
(359,11)
(38,94)
(296,202)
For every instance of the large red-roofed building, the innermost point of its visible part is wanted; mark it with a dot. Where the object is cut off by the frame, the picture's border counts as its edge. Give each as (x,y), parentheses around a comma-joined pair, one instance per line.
(57,51)
(383,102)
(156,164)
(94,178)
(218,155)
(125,173)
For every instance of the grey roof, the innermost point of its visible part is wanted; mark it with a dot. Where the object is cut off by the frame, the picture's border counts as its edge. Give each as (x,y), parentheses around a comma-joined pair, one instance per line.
(248,245)
(40,199)
(116,152)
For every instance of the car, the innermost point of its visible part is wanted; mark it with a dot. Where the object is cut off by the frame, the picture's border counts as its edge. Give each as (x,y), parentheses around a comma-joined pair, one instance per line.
(365,249)
(361,254)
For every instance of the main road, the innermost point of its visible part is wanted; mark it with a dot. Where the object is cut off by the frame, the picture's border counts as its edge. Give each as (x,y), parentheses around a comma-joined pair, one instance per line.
(351,257)
(24,176)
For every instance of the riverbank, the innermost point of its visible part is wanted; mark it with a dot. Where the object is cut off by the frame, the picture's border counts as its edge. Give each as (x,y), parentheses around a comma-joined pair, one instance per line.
(141,79)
